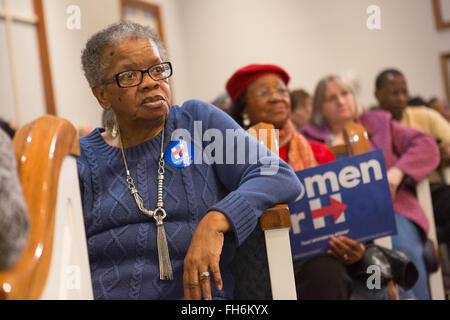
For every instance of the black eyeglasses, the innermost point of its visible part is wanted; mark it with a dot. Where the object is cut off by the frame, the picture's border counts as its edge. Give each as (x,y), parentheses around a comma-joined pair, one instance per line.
(132,78)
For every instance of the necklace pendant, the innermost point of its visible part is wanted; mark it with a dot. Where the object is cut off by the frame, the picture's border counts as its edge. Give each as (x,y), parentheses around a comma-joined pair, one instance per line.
(165,266)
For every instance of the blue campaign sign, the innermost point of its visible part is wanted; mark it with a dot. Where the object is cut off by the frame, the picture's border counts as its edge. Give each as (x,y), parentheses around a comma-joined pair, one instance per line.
(349,197)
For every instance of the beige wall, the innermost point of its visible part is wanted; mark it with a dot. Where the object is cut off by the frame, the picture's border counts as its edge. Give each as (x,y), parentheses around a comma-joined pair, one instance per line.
(311,39)
(209,39)
(73,97)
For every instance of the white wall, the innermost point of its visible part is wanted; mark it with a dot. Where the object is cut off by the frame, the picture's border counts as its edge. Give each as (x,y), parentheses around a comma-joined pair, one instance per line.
(311,39)
(209,39)
(73,98)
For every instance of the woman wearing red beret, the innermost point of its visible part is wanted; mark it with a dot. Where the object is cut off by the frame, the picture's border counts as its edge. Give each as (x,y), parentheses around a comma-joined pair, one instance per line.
(259,94)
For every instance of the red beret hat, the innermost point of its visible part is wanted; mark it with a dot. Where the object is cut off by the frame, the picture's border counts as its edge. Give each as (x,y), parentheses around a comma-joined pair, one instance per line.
(243,77)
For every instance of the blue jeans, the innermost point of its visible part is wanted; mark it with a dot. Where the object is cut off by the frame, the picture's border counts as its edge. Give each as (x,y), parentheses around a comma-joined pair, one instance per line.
(409,241)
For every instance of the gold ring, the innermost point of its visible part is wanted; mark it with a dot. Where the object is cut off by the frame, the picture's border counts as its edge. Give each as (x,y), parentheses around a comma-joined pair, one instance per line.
(345,257)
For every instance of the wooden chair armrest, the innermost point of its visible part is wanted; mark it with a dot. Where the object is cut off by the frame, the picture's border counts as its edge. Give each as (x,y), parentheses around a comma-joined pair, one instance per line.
(276,217)
(340,149)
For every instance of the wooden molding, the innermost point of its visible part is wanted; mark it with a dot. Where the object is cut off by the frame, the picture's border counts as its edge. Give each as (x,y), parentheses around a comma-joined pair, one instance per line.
(146,6)
(445,57)
(45,60)
(438,17)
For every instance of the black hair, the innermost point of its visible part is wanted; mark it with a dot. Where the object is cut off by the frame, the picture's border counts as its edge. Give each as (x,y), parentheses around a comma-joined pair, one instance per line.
(237,107)
(7,128)
(384,74)
(298,98)
(417,102)
(108,118)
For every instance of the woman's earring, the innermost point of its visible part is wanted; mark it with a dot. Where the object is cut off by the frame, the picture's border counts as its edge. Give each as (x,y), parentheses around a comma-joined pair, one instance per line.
(245,120)
(114,130)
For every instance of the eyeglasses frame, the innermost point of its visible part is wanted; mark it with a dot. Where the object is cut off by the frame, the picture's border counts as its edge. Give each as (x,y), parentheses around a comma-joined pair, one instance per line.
(116,76)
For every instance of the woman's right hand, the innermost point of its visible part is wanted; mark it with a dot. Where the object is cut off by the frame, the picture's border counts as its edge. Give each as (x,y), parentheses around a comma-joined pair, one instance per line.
(346,250)
(203,257)
(395,177)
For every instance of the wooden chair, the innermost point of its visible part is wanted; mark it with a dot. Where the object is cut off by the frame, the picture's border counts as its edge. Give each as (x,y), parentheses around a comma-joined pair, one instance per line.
(357,142)
(54,264)
(269,267)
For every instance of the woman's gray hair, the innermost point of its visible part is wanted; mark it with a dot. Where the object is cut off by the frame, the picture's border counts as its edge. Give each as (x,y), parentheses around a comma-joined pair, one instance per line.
(92,56)
(319,98)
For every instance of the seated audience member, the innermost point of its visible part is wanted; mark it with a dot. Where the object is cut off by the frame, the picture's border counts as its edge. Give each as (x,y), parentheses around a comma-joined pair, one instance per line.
(301,107)
(159,224)
(223,102)
(334,106)
(440,106)
(14,221)
(260,94)
(417,102)
(391,91)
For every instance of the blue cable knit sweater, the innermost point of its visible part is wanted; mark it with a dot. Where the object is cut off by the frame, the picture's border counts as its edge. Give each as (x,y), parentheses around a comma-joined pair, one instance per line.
(122,241)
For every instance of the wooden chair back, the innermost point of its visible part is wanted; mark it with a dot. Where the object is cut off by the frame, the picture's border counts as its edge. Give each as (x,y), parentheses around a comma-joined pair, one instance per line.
(269,246)
(47,269)
(357,142)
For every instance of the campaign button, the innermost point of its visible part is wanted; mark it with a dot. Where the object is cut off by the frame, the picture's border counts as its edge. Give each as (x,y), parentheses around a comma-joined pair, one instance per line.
(180,154)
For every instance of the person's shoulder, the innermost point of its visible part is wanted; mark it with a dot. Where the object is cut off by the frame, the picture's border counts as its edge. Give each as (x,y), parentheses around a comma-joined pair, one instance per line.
(197,107)
(196,110)
(307,128)
(315,132)
(417,111)
(91,142)
(377,115)
(92,137)
(375,119)
(423,112)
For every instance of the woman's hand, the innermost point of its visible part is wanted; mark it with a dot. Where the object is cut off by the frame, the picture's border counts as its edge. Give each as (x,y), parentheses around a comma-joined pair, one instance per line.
(346,250)
(204,256)
(395,177)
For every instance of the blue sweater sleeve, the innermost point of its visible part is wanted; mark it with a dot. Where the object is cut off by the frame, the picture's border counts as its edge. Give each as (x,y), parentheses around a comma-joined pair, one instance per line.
(257,183)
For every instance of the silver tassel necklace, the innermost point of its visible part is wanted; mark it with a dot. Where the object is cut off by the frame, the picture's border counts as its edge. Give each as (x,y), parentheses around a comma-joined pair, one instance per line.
(165,266)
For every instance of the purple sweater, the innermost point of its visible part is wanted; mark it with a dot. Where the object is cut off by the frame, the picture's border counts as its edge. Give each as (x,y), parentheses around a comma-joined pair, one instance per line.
(413,152)
(122,241)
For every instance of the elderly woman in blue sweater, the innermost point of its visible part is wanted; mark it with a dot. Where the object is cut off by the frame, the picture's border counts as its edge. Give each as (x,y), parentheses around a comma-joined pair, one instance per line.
(170,192)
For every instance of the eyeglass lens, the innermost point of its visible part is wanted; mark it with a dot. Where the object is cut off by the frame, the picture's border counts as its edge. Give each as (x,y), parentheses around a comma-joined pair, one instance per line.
(134,77)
